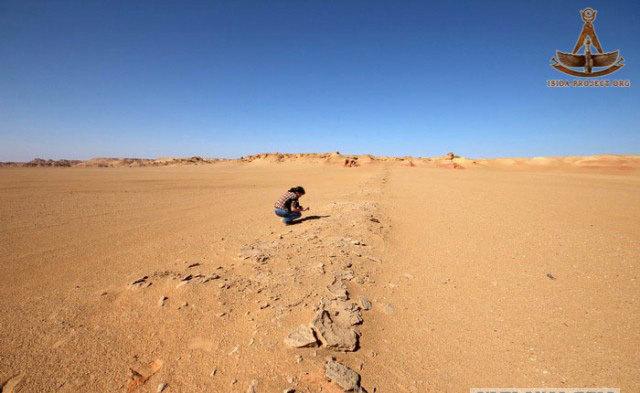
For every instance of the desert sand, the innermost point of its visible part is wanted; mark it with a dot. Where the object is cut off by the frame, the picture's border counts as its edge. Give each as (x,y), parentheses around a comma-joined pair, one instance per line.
(416,276)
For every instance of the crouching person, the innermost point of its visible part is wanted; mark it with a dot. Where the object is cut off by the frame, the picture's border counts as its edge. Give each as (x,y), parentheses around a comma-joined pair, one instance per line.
(288,207)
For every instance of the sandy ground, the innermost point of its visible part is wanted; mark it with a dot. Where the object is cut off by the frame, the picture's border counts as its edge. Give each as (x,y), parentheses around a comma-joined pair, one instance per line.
(477,278)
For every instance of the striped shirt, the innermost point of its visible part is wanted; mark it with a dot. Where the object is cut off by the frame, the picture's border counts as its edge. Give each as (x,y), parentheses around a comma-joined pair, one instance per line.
(289,198)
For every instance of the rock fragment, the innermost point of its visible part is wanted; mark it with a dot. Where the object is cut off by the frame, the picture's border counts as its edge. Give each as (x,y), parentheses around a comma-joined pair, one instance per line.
(332,335)
(338,289)
(342,312)
(342,375)
(211,277)
(137,379)
(366,303)
(302,337)
(140,280)
(346,274)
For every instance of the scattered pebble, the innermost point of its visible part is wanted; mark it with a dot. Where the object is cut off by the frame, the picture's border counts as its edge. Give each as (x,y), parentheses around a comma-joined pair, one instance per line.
(234,350)
(162,301)
(374,259)
(140,280)
(252,386)
(211,277)
(162,387)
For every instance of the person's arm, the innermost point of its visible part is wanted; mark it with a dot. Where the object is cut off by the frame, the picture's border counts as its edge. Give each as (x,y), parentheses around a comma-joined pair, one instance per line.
(295,207)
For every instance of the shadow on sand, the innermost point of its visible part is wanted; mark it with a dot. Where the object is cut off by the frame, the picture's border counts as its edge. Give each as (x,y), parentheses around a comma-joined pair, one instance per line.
(306,219)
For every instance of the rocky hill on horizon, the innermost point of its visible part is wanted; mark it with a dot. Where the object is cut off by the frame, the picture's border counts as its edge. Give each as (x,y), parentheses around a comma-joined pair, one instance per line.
(607,162)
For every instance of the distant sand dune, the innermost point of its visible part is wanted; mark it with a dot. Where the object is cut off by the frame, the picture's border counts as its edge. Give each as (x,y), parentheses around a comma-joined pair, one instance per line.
(598,163)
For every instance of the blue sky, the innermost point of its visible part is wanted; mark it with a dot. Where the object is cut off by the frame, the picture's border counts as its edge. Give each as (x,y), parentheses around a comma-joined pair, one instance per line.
(81,79)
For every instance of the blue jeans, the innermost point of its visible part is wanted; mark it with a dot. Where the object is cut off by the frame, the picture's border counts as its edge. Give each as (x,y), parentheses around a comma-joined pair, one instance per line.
(287,215)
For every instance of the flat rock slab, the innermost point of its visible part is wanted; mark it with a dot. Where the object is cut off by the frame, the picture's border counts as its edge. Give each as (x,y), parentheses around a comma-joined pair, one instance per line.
(345,377)
(333,335)
(302,337)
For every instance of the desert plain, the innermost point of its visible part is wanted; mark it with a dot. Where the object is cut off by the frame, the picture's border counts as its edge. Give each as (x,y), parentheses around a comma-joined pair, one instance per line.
(416,275)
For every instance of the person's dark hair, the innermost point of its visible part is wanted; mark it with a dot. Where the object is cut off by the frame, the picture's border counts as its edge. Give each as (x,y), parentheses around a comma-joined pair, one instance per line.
(298,189)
